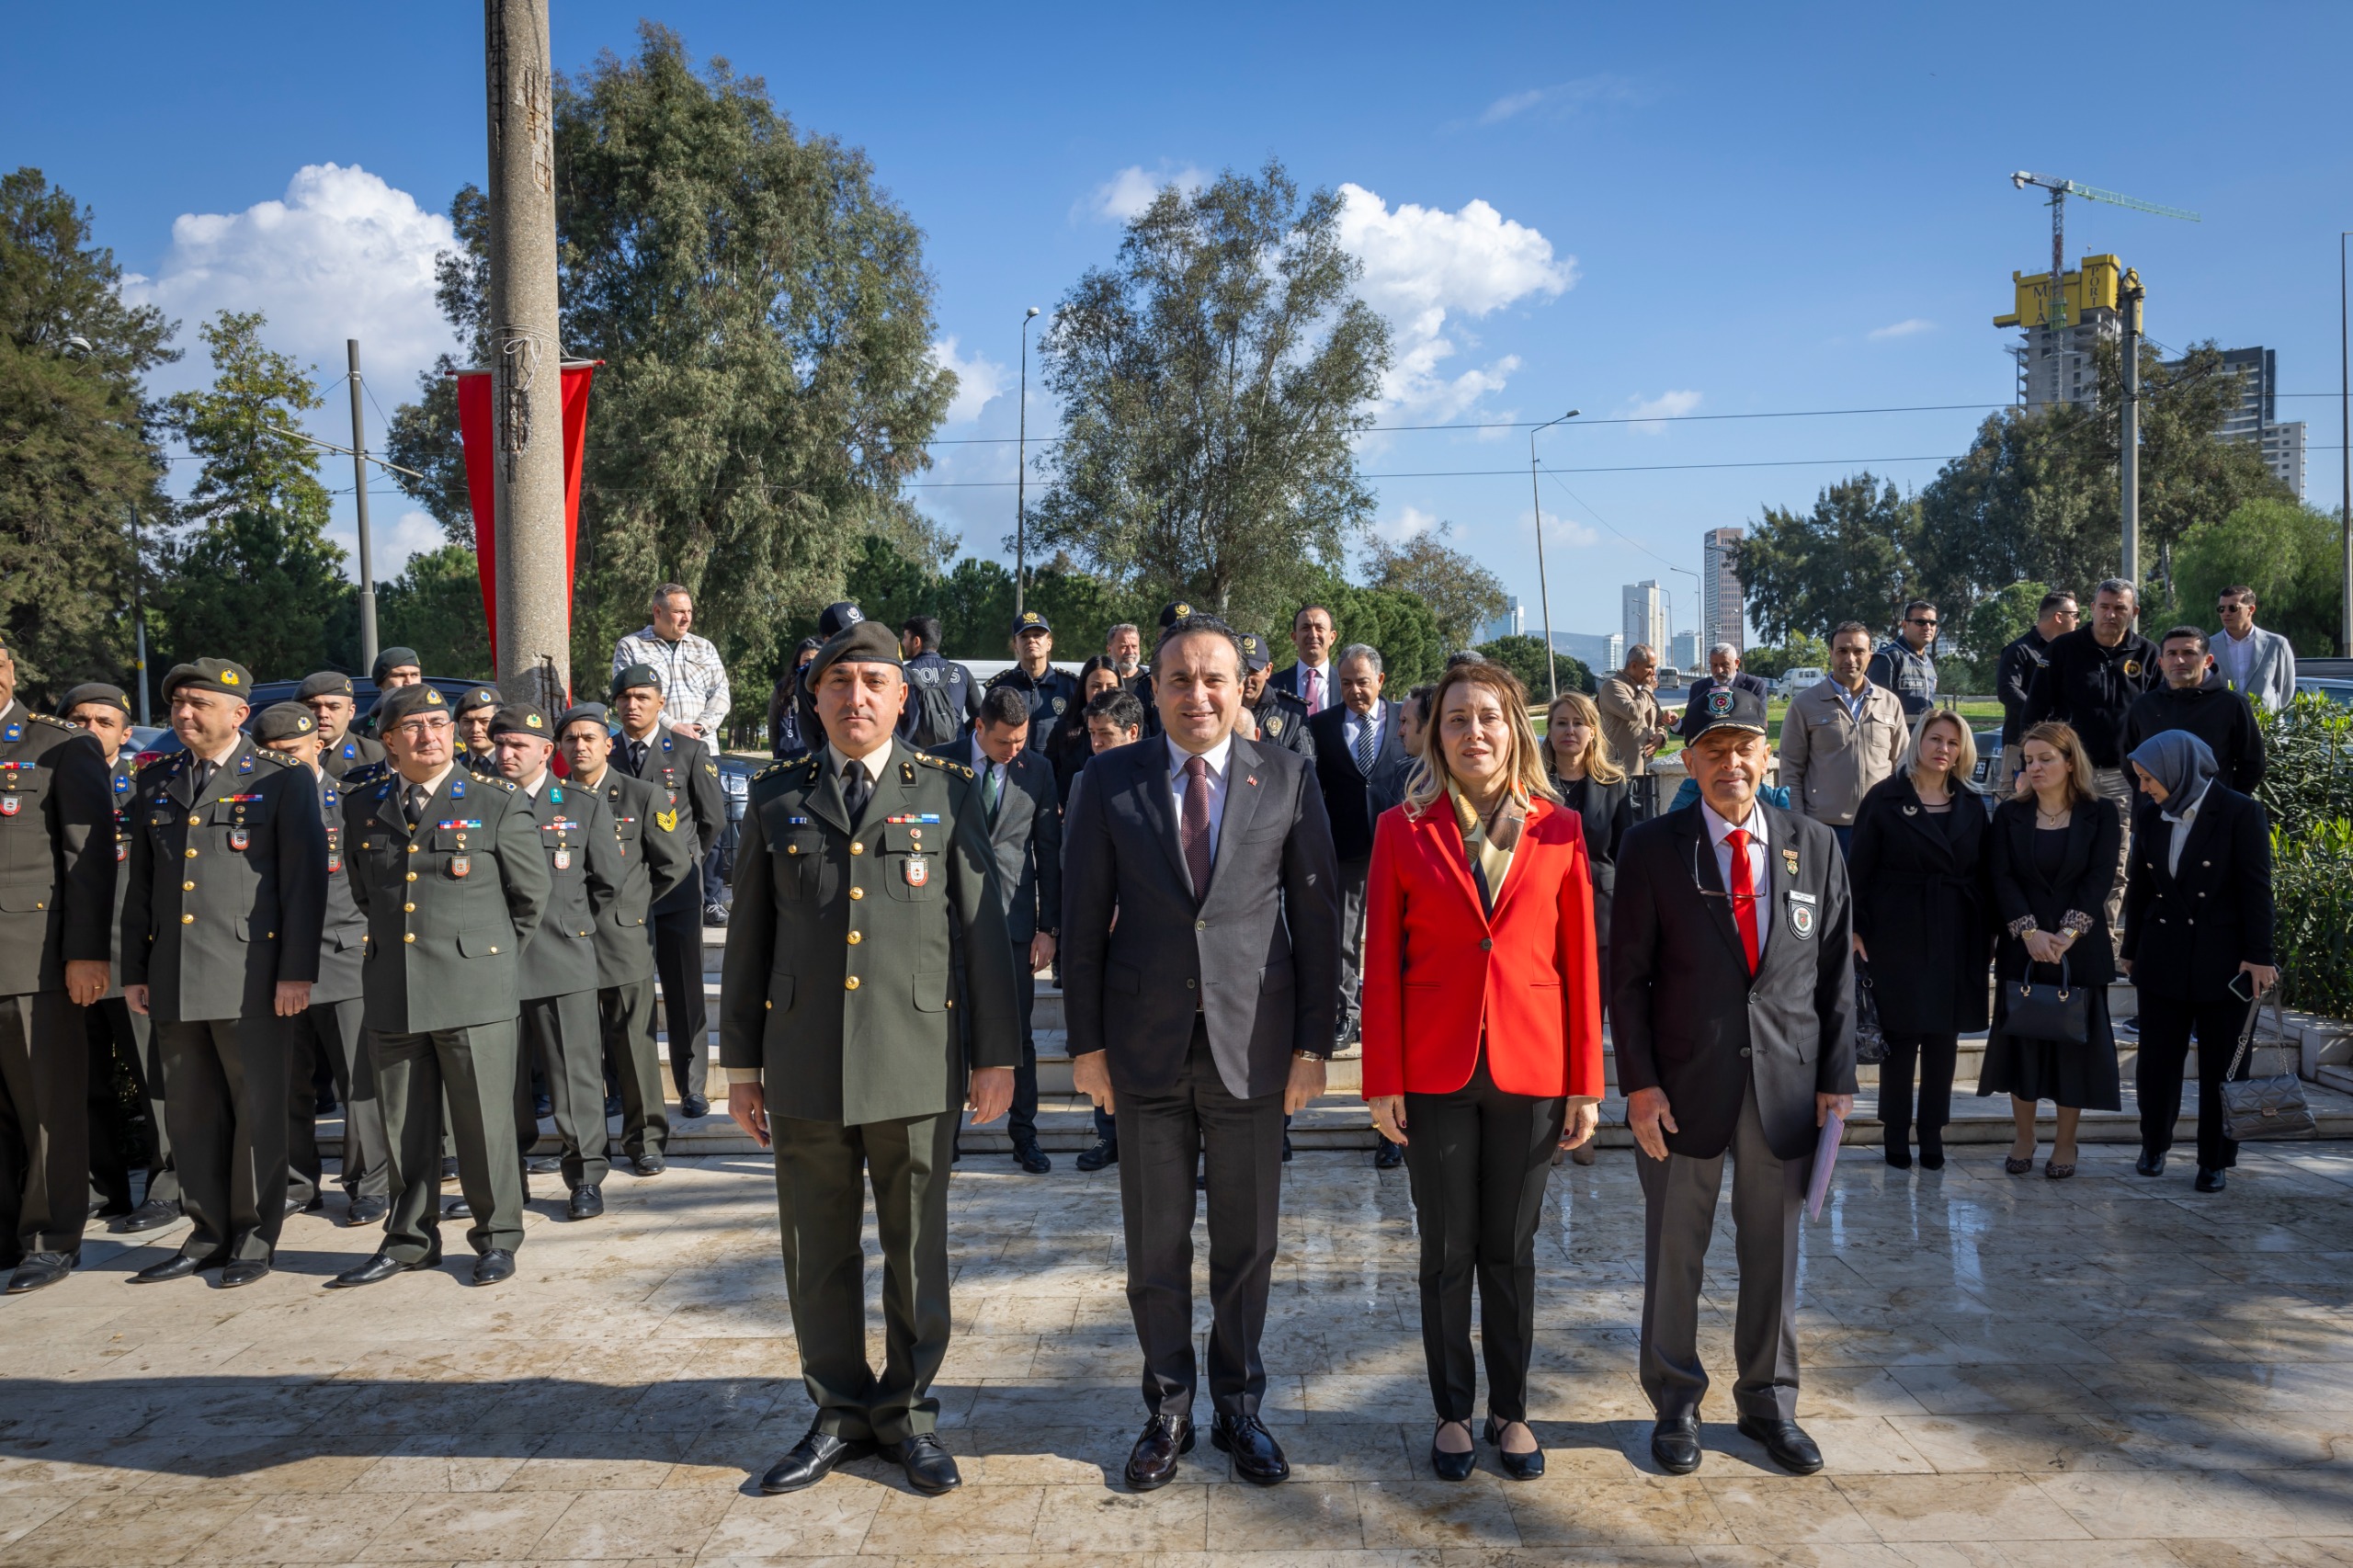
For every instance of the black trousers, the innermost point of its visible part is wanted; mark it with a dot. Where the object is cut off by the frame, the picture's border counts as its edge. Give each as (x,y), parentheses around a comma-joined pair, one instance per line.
(1477,1160)
(1163,1139)
(224,1090)
(1934,1054)
(1022,1120)
(625,1018)
(677,960)
(44,1126)
(2166,1027)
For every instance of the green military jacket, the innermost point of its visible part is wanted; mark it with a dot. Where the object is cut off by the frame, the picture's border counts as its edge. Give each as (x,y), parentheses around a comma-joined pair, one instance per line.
(57,865)
(840,979)
(654,860)
(583,880)
(449,904)
(228,885)
(355,750)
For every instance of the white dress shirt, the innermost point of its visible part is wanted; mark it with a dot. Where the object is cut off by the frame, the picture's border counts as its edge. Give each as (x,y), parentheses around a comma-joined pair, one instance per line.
(2183,821)
(2233,656)
(1219,756)
(1759,865)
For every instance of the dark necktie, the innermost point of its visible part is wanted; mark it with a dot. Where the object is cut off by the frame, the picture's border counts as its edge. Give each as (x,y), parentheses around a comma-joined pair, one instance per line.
(1368,745)
(1744,893)
(417,796)
(857,788)
(637,757)
(1194,831)
(991,790)
(204,772)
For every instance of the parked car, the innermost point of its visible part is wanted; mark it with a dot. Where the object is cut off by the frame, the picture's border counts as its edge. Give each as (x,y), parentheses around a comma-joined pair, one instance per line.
(2338,691)
(156,743)
(1797,680)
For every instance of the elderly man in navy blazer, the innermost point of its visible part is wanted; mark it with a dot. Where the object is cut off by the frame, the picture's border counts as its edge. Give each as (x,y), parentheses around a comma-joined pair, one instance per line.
(1731,947)
(1202,1019)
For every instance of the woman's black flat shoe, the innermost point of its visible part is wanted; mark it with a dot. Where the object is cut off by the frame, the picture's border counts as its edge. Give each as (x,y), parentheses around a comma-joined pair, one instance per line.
(1519,1467)
(1452,1466)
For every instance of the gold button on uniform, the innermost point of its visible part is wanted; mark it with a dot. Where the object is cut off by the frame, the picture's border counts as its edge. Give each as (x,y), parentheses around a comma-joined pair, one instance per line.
(857,848)
(191,851)
(196,822)
(188,919)
(411,876)
(855,938)
(850,984)
(408,936)
(412,849)
(408,909)
(188,887)
(857,893)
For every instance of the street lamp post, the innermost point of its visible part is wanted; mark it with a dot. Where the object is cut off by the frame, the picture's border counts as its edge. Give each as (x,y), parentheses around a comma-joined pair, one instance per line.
(1543,588)
(1022,474)
(2345,453)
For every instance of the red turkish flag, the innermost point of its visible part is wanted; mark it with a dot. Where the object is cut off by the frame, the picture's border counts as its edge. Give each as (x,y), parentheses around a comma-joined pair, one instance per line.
(474,430)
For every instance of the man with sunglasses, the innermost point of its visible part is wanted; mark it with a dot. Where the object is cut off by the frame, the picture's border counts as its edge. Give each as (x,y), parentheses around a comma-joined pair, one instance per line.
(1906,663)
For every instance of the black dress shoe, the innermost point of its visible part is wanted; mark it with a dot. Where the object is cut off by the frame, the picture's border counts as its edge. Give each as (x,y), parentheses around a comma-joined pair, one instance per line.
(450,1168)
(457,1209)
(542,1106)
(315,1204)
(1898,1153)
(1519,1467)
(41,1268)
(1286,1148)
(495,1266)
(367,1211)
(242,1271)
(931,1469)
(1105,1152)
(812,1460)
(1152,1463)
(1452,1466)
(1786,1444)
(545,1165)
(2152,1162)
(1389,1156)
(1031,1158)
(694,1106)
(179,1265)
(646,1164)
(2210,1181)
(1932,1148)
(1675,1443)
(378,1268)
(151,1215)
(586,1203)
(1257,1456)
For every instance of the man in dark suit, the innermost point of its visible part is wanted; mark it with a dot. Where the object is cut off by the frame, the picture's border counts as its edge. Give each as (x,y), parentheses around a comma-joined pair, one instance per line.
(1020,803)
(1313,678)
(1360,762)
(1733,1015)
(1723,670)
(1200,1021)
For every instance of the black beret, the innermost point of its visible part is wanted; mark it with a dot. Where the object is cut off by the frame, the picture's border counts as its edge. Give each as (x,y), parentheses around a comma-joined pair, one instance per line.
(211,674)
(480,698)
(863,643)
(520,719)
(391,659)
(595,713)
(636,675)
(835,619)
(1029,621)
(1254,652)
(95,691)
(402,700)
(1727,708)
(284,721)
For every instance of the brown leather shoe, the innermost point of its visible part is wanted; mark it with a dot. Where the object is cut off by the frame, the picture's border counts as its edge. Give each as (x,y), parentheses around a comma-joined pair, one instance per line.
(1152,1463)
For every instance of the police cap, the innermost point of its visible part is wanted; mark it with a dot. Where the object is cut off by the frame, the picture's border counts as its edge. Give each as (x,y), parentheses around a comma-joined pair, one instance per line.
(862,642)
(837,618)
(1727,708)
(1254,656)
(1030,621)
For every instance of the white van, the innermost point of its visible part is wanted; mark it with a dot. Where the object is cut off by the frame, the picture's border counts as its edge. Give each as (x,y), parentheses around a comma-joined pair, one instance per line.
(1797,680)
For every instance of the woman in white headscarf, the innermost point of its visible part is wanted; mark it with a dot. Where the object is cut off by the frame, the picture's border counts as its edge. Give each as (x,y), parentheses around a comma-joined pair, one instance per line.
(2196,938)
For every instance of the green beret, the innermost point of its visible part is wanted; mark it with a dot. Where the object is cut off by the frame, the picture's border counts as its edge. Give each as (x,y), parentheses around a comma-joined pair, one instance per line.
(327,683)
(595,713)
(519,718)
(95,691)
(211,674)
(860,642)
(391,659)
(285,722)
(403,701)
(477,700)
(636,675)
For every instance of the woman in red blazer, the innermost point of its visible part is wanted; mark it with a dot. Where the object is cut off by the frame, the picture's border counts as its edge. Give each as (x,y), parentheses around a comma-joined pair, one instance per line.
(1482,1036)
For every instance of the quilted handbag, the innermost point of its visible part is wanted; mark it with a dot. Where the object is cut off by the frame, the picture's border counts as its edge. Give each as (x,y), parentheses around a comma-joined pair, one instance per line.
(2060,1012)
(2256,1109)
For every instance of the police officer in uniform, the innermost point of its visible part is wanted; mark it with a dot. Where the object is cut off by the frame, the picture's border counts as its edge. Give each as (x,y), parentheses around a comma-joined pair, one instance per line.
(864,869)
(56,895)
(330,1026)
(473,713)
(1281,718)
(682,769)
(1170,614)
(927,668)
(790,734)
(448,870)
(333,704)
(1049,692)
(220,929)
(654,860)
(559,983)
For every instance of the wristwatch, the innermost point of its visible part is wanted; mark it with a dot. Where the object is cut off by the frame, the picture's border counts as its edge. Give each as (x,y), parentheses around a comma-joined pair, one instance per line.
(1305,1055)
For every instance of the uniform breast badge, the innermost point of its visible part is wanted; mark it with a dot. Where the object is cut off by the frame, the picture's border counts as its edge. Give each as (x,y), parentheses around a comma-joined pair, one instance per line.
(918,870)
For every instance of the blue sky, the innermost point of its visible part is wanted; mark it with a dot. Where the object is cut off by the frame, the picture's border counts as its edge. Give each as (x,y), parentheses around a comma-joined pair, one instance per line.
(1711,209)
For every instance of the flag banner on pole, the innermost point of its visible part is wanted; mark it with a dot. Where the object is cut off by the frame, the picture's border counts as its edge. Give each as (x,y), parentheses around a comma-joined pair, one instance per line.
(481,448)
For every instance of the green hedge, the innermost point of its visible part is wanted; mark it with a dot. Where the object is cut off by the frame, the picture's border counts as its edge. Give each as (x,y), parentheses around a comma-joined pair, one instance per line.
(2308,788)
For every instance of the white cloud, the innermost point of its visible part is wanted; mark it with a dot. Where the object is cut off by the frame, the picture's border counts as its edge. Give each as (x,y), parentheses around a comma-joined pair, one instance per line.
(1560,529)
(1511,104)
(411,533)
(1666,406)
(1125,194)
(1906,328)
(978,380)
(1424,264)
(1400,529)
(1561,98)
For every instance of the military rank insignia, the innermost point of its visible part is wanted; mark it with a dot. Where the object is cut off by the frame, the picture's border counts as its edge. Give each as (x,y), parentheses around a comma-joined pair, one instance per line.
(669,819)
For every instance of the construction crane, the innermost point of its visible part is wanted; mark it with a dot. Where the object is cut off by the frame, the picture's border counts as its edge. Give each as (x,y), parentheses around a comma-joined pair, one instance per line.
(2054,305)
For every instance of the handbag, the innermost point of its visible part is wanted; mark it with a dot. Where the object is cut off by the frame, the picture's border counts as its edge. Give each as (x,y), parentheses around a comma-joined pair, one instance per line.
(1870,1040)
(2060,1012)
(2256,1109)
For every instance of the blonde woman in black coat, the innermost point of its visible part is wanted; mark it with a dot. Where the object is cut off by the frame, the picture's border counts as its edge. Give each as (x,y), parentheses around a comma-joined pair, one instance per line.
(1591,784)
(1918,870)
(2055,844)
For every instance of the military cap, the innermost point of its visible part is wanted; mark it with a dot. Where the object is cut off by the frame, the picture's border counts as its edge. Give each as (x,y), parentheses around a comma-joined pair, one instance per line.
(403,701)
(836,618)
(1254,652)
(475,700)
(391,659)
(807,645)
(1029,621)
(1170,614)
(1724,708)
(327,683)
(634,675)
(284,721)
(864,642)
(520,719)
(211,674)
(595,713)
(94,691)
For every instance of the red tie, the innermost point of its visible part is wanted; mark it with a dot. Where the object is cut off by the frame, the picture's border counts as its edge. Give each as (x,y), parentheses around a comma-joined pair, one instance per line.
(1744,894)
(1313,695)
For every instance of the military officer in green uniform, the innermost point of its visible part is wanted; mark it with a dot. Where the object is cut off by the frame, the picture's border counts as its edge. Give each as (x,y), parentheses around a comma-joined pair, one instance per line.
(394,668)
(220,929)
(654,860)
(447,869)
(863,870)
(334,704)
(57,873)
(1281,718)
(472,712)
(559,983)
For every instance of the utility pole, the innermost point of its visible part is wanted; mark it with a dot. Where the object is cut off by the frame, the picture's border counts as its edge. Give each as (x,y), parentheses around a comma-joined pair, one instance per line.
(526,358)
(1021,474)
(2345,453)
(138,611)
(1543,586)
(360,496)
(2128,462)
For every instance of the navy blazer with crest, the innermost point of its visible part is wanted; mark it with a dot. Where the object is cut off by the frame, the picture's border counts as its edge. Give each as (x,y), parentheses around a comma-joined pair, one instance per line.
(1257,959)
(1687,1018)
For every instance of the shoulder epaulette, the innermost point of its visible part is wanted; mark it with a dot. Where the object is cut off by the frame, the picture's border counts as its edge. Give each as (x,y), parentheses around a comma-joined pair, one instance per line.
(942,764)
(507,784)
(54,722)
(283,760)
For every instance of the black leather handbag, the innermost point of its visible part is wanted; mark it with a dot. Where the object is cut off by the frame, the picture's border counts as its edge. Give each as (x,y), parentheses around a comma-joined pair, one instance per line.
(2060,1013)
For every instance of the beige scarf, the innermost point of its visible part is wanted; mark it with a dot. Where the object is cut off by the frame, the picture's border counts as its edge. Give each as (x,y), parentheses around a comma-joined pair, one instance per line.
(1491,849)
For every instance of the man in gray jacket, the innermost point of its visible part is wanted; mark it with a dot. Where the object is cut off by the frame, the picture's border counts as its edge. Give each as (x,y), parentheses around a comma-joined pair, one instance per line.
(2258,665)
(1841,735)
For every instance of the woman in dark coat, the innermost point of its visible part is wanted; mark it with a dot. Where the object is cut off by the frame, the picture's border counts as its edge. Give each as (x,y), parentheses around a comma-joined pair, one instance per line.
(1919,872)
(1067,747)
(2052,858)
(1593,785)
(2198,921)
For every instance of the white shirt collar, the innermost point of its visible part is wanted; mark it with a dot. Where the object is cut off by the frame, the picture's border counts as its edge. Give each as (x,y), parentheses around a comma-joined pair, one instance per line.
(532,788)
(1759,833)
(432,785)
(873,761)
(222,760)
(2235,638)
(1216,756)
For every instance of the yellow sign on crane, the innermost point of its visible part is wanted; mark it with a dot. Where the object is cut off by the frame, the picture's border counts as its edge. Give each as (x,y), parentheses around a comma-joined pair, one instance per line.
(2095,288)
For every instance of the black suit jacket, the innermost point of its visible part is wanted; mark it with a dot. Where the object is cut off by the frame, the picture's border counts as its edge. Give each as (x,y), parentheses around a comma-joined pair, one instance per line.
(2186,931)
(1353,798)
(1687,1018)
(1257,959)
(1026,838)
(2095,837)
